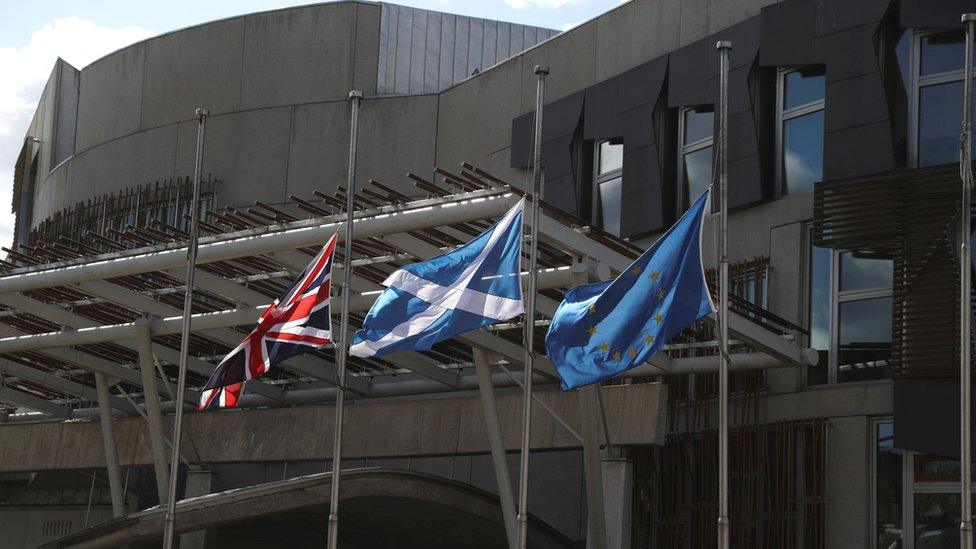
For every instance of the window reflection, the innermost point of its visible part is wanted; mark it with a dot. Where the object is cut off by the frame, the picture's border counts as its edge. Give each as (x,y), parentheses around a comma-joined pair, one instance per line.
(699,124)
(888,496)
(942,53)
(610,205)
(936,521)
(803,152)
(697,133)
(698,174)
(937,92)
(611,157)
(607,184)
(864,347)
(800,133)
(803,87)
(863,272)
(819,313)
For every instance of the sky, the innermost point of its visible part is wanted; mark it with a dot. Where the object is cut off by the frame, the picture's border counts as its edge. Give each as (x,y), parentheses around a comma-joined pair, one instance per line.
(34,34)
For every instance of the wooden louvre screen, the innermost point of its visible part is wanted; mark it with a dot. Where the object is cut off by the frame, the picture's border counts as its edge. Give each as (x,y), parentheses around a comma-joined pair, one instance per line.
(911,216)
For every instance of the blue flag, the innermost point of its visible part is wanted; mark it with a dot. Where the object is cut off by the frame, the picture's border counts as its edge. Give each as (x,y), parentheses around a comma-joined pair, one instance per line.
(473,286)
(602,329)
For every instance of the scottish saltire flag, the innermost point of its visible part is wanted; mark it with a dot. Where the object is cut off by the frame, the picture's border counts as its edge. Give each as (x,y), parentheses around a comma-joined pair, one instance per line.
(602,329)
(296,322)
(465,289)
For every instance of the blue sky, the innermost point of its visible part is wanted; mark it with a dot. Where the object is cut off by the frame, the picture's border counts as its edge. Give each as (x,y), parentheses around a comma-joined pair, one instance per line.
(34,34)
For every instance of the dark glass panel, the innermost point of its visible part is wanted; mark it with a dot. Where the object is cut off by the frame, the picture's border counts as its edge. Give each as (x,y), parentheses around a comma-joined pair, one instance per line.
(864,339)
(888,498)
(942,53)
(611,156)
(819,313)
(698,175)
(699,124)
(939,123)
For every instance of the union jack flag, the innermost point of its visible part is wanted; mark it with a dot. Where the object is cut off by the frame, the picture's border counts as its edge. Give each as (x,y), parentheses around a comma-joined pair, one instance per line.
(296,322)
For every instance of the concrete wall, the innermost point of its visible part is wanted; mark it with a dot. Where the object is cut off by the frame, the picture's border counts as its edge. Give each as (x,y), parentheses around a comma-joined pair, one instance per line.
(30,527)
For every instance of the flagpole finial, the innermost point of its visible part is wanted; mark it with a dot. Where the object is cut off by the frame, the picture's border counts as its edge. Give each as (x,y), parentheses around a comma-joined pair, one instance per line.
(723,45)
(200,113)
(539,69)
(967,17)
(355,94)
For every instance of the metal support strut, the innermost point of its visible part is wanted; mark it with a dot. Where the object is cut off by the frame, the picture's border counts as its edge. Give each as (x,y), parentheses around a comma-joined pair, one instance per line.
(169,520)
(723,47)
(343,348)
(966,174)
(111,449)
(523,515)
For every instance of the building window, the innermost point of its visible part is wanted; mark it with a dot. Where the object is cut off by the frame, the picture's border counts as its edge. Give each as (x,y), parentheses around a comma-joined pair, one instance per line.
(849,316)
(938,61)
(800,128)
(888,465)
(609,163)
(696,130)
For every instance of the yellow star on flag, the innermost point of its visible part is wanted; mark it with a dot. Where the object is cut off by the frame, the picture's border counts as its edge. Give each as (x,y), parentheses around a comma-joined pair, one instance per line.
(632,353)
(636,270)
(660,294)
(655,275)
(616,355)
(659,318)
(604,346)
(649,339)
(591,330)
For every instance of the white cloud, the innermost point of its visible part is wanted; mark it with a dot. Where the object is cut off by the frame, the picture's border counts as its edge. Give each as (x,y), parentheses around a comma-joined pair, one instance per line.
(25,70)
(543,4)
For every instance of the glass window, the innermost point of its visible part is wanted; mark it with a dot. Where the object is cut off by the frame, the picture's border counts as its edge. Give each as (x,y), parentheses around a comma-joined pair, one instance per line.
(888,470)
(803,87)
(819,313)
(863,272)
(697,131)
(607,185)
(849,316)
(864,335)
(801,127)
(611,157)
(936,98)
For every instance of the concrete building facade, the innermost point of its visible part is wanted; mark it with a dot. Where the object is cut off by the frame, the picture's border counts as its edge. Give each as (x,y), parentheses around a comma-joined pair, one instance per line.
(823,94)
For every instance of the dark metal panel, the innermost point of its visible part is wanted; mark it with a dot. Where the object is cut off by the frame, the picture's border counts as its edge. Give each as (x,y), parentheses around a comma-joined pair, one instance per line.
(600,119)
(786,33)
(927,416)
(843,14)
(861,150)
(850,52)
(688,74)
(935,14)
(855,102)
(745,185)
(643,206)
(642,84)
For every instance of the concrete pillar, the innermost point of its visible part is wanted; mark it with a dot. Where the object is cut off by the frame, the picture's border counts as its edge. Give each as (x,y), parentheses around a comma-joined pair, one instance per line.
(111,450)
(199,482)
(157,438)
(486,389)
(618,497)
(596,532)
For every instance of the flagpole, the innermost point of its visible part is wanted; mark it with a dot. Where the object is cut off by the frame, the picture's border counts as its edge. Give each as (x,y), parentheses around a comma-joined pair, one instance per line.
(966,174)
(343,348)
(723,47)
(169,519)
(523,515)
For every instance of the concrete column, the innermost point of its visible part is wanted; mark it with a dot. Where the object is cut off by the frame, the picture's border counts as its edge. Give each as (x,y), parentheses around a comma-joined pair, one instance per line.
(157,438)
(618,497)
(111,450)
(199,482)
(596,529)
(486,389)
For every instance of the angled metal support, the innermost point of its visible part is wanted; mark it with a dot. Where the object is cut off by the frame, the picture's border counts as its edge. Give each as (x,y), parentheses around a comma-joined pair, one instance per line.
(27,400)
(48,379)
(482,364)
(157,438)
(596,526)
(111,450)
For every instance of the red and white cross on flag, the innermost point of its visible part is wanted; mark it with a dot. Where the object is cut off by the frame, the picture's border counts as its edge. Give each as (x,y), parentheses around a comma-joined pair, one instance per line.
(296,322)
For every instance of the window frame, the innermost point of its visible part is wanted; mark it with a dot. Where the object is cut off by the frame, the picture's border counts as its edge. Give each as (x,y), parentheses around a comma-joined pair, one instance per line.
(685,149)
(599,178)
(784,115)
(918,82)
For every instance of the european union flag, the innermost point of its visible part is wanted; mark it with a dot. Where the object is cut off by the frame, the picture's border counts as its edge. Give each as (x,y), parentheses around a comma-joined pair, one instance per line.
(602,329)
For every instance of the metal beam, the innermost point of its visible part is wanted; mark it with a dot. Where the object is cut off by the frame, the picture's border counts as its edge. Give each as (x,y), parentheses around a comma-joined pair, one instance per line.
(154,415)
(111,450)
(503,480)
(392,219)
(596,527)
(49,379)
(27,400)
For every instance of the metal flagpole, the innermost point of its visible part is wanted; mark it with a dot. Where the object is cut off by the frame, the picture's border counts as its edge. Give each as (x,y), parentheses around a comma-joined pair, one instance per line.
(723,47)
(966,174)
(523,515)
(343,348)
(169,519)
